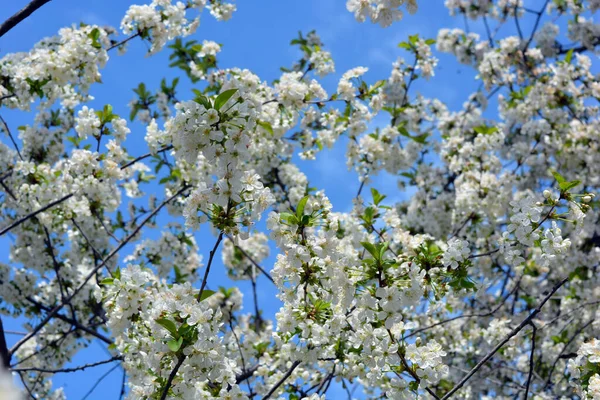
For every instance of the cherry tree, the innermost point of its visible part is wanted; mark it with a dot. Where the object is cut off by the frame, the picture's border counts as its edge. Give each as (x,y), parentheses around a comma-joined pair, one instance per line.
(481,284)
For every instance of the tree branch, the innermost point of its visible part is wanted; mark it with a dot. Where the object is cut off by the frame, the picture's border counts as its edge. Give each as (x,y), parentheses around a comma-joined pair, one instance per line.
(245,254)
(56,309)
(65,370)
(21,15)
(531,363)
(33,214)
(505,340)
(282,380)
(172,376)
(210,260)
(4,353)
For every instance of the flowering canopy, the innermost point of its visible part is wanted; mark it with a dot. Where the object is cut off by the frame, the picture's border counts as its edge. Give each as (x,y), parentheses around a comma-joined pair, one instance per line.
(482,284)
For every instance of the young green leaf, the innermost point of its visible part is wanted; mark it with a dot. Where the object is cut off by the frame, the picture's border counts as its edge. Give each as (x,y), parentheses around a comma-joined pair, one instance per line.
(565,186)
(300,208)
(223,97)
(206,294)
(169,325)
(559,178)
(175,345)
(569,56)
(371,249)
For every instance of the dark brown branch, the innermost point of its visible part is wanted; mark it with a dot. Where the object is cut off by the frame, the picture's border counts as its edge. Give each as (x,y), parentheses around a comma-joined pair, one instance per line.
(33,214)
(135,160)
(74,323)
(123,41)
(65,370)
(98,382)
(486,314)
(210,260)
(531,363)
(21,15)
(12,139)
(245,254)
(577,333)
(171,377)
(92,273)
(511,334)
(247,374)
(282,380)
(4,353)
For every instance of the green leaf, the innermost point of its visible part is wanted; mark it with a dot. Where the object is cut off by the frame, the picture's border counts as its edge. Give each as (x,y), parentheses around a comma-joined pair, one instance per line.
(288,218)
(404,45)
(319,144)
(266,125)
(107,281)
(169,325)
(301,205)
(559,178)
(175,345)
(569,56)
(421,138)
(206,294)
(377,197)
(201,99)
(413,38)
(223,97)
(565,186)
(134,111)
(95,35)
(430,42)
(371,249)
(485,130)
(383,248)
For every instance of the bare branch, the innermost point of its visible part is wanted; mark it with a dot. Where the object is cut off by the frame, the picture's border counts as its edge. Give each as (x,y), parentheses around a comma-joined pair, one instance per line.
(172,376)
(21,15)
(531,363)
(65,370)
(92,273)
(282,380)
(12,139)
(33,214)
(261,269)
(98,382)
(210,260)
(505,340)
(4,353)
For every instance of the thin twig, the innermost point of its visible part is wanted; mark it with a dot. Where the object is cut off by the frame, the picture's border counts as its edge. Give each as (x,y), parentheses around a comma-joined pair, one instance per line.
(92,273)
(135,160)
(245,254)
(210,260)
(531,363)
(123,41)
(98,382)
(12,139)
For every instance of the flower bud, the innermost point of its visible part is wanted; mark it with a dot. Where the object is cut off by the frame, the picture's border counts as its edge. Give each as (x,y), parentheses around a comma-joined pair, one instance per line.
(587,198)
(547,194)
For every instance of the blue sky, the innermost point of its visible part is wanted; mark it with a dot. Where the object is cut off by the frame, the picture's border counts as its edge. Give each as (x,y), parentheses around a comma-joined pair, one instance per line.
(257,38)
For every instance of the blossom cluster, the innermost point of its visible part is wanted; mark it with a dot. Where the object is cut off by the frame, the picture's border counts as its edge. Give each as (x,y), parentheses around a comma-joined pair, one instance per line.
(382,12)
(493,241)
